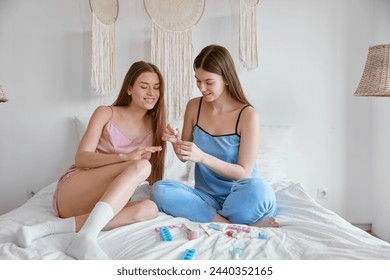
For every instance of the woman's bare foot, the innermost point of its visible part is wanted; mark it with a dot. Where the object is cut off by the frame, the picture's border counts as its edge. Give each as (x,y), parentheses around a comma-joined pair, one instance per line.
(267,222)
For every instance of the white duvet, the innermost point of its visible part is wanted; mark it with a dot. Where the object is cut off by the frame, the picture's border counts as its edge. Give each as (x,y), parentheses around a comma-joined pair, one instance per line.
(308,231)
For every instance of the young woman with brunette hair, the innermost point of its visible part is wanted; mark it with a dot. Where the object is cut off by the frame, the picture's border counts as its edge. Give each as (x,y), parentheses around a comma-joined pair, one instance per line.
(121,148)
(221,135)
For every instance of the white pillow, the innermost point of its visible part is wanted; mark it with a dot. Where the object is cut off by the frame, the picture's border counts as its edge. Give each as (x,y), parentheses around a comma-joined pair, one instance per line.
(275,142)
(271,165)
(175,169)
(81,122)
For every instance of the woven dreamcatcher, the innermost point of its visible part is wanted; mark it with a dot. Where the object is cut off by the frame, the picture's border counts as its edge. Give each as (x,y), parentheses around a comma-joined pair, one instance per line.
(172,50)
(248,34)
(104,15)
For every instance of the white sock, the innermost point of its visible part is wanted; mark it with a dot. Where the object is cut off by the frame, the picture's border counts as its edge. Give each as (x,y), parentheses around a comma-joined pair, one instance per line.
(85,245)
(27,234)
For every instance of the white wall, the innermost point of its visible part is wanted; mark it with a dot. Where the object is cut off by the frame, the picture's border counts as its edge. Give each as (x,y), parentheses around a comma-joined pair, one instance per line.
(311,55)
(381,135)
(308,75)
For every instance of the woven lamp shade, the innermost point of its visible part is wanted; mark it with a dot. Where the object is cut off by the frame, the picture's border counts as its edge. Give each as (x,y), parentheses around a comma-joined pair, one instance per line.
(375,80)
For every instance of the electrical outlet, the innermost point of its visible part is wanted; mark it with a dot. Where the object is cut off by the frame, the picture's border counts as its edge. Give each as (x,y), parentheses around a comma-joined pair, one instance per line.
(322,193)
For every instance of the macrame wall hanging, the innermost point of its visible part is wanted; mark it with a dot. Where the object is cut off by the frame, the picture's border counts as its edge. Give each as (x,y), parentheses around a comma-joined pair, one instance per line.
(172,50)
(248,34)
(3,98)
(104,15)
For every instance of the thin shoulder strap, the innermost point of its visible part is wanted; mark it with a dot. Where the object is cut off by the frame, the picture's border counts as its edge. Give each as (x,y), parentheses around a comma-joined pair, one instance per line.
(239,115)
(112,112)
(200,105)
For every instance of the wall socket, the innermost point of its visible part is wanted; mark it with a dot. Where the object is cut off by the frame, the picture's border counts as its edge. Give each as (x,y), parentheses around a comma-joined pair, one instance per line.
(322,193)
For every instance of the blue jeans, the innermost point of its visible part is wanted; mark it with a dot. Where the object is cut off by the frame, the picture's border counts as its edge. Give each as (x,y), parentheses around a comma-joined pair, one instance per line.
(249,201)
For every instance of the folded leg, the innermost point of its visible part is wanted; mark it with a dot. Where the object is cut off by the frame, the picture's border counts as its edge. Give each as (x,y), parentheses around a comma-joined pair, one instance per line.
(250,200)
(179,200)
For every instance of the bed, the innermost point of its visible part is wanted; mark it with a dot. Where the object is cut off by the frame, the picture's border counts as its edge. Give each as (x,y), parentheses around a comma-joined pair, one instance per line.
(308,230)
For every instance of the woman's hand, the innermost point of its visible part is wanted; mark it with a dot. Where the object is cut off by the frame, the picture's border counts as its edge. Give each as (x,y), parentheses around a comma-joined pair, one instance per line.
(142,153)
(171,134)
(188,151)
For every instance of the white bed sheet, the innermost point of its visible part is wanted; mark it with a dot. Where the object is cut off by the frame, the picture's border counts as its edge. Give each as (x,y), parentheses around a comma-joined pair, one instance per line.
(308,231)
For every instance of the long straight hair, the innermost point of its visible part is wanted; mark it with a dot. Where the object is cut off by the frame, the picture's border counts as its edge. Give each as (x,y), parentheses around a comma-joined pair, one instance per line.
(157,113)
(217,59)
